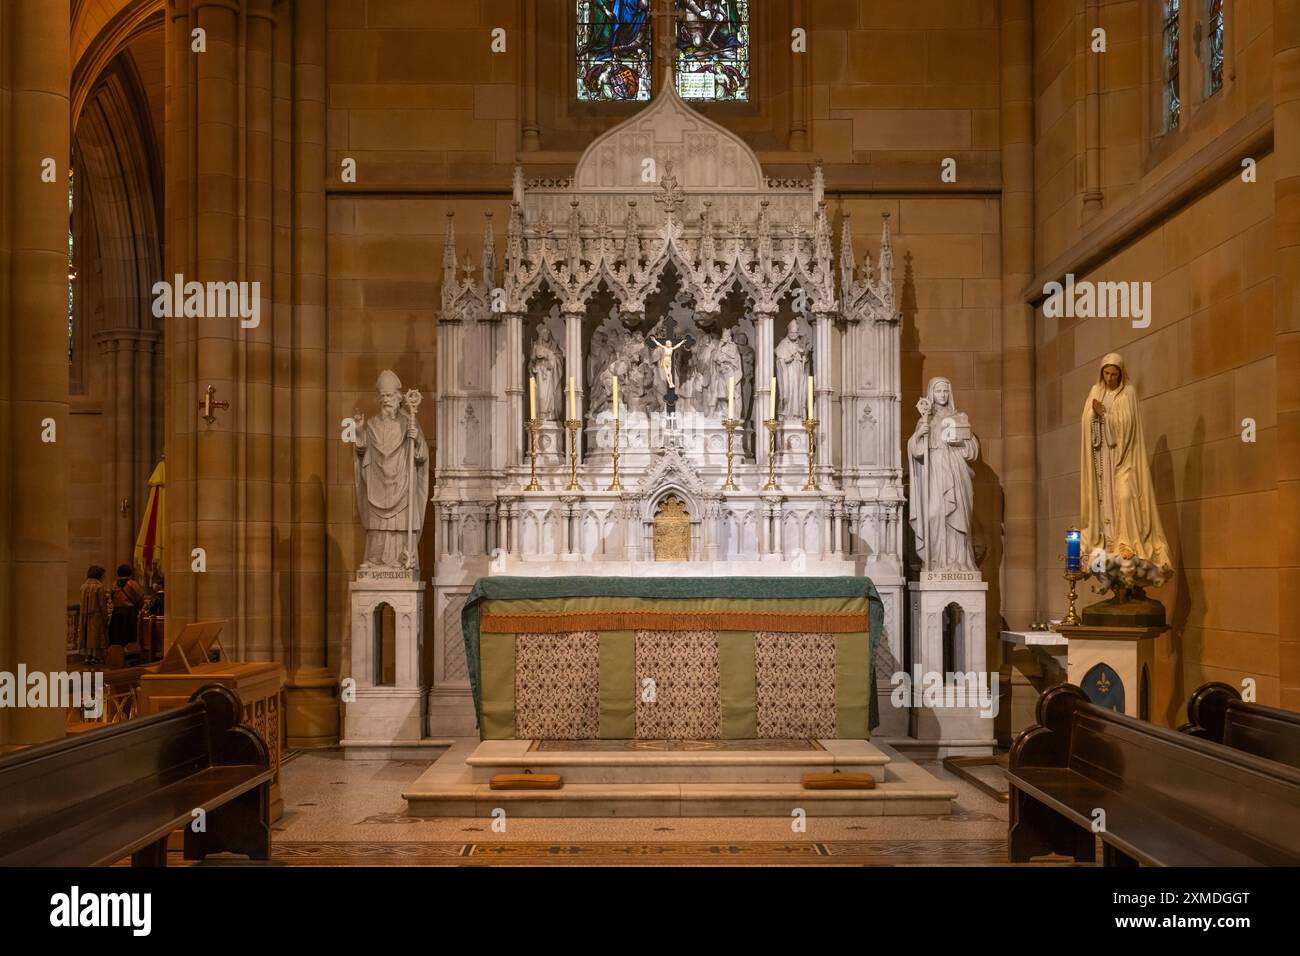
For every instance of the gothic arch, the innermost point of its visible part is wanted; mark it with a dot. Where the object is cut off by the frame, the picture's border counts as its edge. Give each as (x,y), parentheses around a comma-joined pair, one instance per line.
(116,369)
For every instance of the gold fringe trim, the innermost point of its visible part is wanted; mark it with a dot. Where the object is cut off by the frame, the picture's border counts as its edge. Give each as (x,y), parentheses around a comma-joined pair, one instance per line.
(834,622)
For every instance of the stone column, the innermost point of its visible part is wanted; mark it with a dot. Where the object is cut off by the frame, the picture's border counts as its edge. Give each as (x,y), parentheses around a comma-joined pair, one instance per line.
(34,71)
(1018,588)
(254,404)
(632,530)
(180,387)
(216,227)
(532,138)
(764,361)
(823,385)
(516,392)
(129,358)
(1286,318)
(245,168)
(311,689)
(512,514)
(1092,196)
(798,139)
(573,370)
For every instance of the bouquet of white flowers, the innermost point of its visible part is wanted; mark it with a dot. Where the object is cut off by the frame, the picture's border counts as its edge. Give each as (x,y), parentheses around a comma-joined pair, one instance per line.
(1124,571)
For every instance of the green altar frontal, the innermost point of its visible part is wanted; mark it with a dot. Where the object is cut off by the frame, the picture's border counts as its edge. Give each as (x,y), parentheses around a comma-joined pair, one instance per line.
(576,658)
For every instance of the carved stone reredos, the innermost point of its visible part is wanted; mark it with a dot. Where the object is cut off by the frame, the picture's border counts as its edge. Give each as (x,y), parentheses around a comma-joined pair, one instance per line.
(669,187)
(704,155)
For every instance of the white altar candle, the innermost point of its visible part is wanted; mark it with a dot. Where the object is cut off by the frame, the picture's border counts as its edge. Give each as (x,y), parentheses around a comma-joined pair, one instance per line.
(532,398)
(773,394)
(731,398)
(615,398)
(810,396)
(573,399)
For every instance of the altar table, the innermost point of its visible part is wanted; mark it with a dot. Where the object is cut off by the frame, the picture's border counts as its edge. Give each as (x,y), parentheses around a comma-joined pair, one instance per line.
(673,658)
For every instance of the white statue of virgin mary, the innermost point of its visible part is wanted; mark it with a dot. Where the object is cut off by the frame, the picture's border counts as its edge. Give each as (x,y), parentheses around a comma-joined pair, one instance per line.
(1117,500)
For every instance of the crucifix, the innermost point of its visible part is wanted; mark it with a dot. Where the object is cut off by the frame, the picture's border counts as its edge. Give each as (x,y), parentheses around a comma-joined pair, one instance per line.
(667,355)
(209,402)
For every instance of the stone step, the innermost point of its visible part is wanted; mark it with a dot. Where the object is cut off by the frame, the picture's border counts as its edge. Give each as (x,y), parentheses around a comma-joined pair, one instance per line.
(447,789)
(678,766)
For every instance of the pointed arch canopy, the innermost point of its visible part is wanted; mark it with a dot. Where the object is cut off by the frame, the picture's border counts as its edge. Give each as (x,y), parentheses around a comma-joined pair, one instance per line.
(667,187)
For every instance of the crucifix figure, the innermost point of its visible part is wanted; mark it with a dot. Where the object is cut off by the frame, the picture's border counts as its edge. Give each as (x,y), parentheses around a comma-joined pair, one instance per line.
(666,350)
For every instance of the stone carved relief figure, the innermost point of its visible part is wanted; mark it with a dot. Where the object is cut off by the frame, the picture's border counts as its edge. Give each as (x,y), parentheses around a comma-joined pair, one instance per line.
(942,498)
(599,355)
(547,366)
(746,388)
(694,391)
(792,374)
(1118,504)
(392,478)
(727,365)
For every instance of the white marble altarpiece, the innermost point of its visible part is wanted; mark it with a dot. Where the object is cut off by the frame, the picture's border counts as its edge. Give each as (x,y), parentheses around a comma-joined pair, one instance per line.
(670,231)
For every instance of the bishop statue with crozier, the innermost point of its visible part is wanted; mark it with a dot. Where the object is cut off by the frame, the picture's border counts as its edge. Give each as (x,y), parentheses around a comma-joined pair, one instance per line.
(392,478)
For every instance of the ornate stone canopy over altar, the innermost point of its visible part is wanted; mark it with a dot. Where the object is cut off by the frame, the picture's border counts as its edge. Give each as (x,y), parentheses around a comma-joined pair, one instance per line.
(668,234)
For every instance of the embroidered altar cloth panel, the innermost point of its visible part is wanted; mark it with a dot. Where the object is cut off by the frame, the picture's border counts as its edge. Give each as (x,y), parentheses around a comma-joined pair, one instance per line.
(659,659)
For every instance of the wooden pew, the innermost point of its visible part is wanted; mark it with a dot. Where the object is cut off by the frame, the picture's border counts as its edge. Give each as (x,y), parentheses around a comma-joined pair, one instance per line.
(1216,712)
(93,799)
(1169,799)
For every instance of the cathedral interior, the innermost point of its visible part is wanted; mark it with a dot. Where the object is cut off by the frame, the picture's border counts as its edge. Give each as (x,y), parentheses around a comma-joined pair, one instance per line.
(607,416)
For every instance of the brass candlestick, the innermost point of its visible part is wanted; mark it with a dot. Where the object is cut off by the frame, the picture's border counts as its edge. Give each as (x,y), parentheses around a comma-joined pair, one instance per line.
(615,485)
(1071,616)
(573,424)
(772,425)
(810,426)
(534,426)
(731,424)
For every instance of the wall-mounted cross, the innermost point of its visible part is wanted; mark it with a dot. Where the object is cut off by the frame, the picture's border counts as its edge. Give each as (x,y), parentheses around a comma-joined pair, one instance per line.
(209,402)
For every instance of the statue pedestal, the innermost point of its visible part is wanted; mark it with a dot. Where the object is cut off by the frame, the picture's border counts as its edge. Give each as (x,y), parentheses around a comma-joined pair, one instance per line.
(385,709)
(1032,661)
(552,444)
(1114,666)
(947,644)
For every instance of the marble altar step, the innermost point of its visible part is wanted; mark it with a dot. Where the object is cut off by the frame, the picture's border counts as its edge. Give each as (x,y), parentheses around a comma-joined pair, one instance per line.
(449,789)
(492,757)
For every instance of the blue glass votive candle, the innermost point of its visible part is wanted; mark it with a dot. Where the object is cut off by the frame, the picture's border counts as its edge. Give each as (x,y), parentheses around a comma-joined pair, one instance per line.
(1073,550)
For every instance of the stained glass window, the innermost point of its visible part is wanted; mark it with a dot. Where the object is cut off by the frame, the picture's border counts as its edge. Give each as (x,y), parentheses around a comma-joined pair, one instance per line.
(614,49)
(1214,61)
(712,49)
(1170,33)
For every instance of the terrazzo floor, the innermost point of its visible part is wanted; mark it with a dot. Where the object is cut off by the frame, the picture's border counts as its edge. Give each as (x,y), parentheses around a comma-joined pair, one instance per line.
(341,812)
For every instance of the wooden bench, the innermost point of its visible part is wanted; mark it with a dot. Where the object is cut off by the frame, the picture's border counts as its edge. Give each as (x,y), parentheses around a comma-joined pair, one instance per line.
(93,799)
(1217,713)
(1169,799)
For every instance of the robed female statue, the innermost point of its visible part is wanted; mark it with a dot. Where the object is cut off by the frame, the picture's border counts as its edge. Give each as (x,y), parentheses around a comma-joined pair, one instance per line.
(942,498)
(547,366)
(1117,500)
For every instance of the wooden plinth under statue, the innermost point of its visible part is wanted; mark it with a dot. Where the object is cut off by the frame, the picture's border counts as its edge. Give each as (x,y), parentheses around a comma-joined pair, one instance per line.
(1126,607)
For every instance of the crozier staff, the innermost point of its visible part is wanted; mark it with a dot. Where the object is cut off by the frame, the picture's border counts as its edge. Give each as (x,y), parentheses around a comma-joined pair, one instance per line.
(392,479)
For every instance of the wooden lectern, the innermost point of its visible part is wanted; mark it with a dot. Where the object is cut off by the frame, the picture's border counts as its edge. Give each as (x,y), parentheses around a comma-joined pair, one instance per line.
(260,685)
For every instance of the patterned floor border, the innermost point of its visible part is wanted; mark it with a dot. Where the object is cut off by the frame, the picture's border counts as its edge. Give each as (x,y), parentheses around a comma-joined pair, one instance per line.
(756,853)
